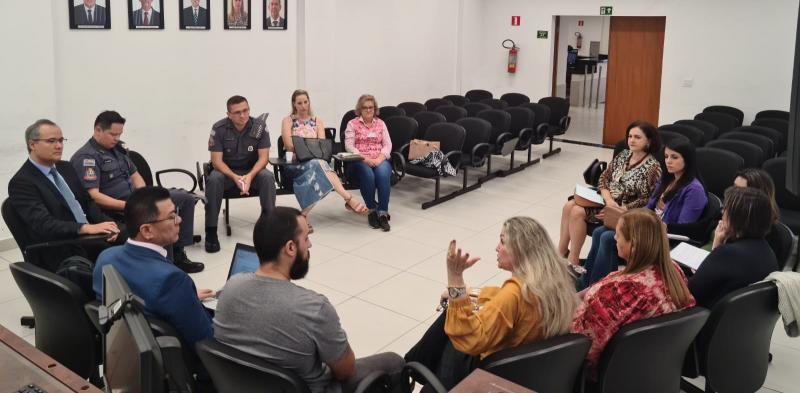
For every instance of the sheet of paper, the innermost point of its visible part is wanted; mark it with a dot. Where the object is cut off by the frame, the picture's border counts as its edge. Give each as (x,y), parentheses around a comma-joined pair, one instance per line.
(688,255)
(588,193)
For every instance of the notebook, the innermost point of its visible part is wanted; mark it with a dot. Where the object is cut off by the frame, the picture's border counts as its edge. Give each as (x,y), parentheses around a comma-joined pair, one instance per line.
(244,260)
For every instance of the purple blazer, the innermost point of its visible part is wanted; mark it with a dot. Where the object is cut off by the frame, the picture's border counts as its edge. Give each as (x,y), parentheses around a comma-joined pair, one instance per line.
(685,207)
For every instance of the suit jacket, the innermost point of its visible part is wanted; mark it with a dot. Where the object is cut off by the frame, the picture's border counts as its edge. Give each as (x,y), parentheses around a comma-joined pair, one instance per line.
(188,17)
(155,18)
(99,16)
(281,23)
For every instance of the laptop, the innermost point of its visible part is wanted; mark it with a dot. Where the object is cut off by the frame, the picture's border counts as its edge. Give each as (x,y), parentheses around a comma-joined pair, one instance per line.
(244,260)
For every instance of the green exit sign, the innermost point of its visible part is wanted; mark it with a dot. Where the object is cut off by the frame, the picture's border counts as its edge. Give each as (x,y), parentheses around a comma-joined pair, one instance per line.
(607,10)
(541,34)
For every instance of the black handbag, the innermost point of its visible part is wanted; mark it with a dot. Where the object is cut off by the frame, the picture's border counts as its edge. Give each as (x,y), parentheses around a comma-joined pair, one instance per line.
(310,148)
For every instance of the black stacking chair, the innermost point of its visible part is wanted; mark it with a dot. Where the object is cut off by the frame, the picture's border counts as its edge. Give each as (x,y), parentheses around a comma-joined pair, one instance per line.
(717,168)
(723,121)
(473,108)
(412,108)
(647,355)
(782,126)
(349,115)
(623,144)
(499,138)
(476,95)
(735,112)
(696,137)
(456,99)
(451,112)
(781,240)
(788,203)
(708,129)
(451,139)
(778,139)
(700,231)
(476,150)
(767,145)
(669,136)
(515,99)
(434,103)
(426,119)
(732,349)
(559,120)
(388,111)
(773,114)
(753,155)
(521,127)
(541,119)
(495,103)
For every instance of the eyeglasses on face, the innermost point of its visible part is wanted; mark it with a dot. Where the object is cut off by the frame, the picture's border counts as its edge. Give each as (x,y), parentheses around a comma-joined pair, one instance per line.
(52,141)
(172,216)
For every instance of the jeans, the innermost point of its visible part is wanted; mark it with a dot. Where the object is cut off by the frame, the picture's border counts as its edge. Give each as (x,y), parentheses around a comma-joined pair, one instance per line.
(602,259)
(372,179)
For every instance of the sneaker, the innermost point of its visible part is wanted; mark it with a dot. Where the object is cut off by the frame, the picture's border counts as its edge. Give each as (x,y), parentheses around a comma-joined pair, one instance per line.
(383,221)
(184,263)
(212,242)
(372,219)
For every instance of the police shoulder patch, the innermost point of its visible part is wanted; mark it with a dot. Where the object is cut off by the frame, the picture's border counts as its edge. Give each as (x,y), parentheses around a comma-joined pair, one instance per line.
(88,162)
(89,175)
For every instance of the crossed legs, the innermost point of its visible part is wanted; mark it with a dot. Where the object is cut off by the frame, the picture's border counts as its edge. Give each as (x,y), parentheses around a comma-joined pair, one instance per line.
(573,231)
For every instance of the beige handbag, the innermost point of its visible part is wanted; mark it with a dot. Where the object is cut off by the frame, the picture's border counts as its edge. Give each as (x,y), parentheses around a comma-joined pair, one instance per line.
(611,216)
(420,148)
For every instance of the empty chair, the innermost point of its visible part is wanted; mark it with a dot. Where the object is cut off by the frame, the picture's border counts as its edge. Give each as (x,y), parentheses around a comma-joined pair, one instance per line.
(412,108)
(773,114)
(425,119)
(521,127)
(402,130)
(541,119)
(781,239)
(495,103)
(476,95)
(696,137)
(779,125)
(451,139)
(753,155)
(559,120)
(735,112)
(515,99)
(500,121)
(778,139)
(788,203)
(717,168)
(434,103)
(708,129)
(456,99)
(667,136)
(452,112)
(723,121)
(476,150)
(388,111)
(766,144)
(473,108)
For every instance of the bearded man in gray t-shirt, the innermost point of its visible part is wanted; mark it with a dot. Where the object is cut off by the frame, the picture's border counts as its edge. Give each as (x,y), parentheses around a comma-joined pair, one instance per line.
(266,315)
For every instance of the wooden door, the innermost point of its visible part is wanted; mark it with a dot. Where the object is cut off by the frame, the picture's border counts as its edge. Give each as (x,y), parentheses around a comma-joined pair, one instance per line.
(633,90)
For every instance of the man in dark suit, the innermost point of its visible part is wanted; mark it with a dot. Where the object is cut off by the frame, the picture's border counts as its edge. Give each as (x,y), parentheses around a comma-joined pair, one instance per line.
(90,14)
(146,16)
(47,194)
(195,15)
(274,20)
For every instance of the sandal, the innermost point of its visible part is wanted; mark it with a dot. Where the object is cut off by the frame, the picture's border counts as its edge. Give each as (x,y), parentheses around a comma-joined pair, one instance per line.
(358,209)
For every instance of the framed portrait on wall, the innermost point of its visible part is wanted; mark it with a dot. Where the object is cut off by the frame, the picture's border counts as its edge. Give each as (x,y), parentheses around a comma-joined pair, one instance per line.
(194,15)
(89,14)
(145,14)
(274,14)
(237,14)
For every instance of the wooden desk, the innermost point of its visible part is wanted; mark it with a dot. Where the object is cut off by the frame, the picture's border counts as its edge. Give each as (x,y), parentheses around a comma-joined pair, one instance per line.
(22,364)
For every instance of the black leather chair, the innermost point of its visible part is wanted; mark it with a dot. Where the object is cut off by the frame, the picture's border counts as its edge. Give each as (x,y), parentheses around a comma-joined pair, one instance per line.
(668,136)
(425,119)
(473,108)
(349,115)
(559,120)
(735,112)
(434,103)
(476,95)
(451,139)
(647,355)
(773,114)
(476,150)
(723,121)
(451,112)
(709,130)
(767,145)
(778,139)
(554,365)
(521,127)
(695,136)
(753,155)
(412,108)
(456,99)
(495,103)
(515,99)
(717,168)
(500,136)
(782,126)
(388,111)
(781,240)
(541,120)
(203,170)
(417,372)
(732,349)
(63,330)
(700,231)
(402,130)
(788,203)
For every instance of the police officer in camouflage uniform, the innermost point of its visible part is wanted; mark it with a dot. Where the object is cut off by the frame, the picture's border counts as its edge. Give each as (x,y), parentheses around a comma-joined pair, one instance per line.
(239,146)
(109,175)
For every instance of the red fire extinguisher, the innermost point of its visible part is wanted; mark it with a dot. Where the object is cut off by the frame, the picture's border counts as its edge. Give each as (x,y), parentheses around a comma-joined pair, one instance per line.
(578,39)
(513,49)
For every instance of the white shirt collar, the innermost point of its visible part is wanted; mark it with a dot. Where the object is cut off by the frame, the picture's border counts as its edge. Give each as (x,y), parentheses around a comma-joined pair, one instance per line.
(151,246)
(88,8)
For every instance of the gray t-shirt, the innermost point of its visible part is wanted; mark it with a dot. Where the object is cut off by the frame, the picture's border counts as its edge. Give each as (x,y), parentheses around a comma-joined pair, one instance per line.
(287,325)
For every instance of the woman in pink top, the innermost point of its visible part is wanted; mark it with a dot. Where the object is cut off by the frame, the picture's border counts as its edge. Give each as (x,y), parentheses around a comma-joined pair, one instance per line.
(367,135)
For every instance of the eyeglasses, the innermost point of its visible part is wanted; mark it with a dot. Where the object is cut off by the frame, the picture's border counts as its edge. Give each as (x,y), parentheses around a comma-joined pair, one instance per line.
(367,108)
(52,141)
(172,216)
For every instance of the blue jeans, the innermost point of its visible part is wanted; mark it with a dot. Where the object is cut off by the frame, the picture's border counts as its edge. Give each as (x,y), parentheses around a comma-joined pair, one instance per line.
(372,179)
(602,259)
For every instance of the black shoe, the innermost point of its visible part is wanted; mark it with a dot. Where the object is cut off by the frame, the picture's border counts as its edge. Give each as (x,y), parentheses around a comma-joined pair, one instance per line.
(212,242)
(372,218)
(184,263)
(383,221)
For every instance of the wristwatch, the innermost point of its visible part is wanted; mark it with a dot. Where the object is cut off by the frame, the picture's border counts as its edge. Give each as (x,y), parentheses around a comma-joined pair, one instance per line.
(455,292)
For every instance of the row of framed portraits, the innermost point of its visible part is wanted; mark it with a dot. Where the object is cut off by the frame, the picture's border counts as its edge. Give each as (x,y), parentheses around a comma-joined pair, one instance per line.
(194,14)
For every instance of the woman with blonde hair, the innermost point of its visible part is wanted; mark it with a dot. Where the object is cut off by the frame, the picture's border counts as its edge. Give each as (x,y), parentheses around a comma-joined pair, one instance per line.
(237,16)
(536,303)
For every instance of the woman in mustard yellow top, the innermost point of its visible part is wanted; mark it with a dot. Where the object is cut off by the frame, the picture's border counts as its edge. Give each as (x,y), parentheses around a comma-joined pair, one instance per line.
(537,302)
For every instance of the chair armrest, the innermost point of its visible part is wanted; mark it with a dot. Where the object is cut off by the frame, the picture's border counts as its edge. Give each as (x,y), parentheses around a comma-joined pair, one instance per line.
(376,381)
(564,122)
(454,157)
(177,170)
(479,153)
(503,138)
(276,161)
(398,164)
(540,134)
(83,239)
(177,376)
(404,149)
(525,137)
(415,371)
(200,175)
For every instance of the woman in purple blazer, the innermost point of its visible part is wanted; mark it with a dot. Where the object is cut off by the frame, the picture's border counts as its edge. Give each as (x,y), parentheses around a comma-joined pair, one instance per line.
(679,198)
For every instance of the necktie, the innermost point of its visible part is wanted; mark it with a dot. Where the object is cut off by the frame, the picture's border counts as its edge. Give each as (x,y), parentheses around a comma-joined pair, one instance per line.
(275,23)
(90,16)
(195,17)
(146,19)
(68,196)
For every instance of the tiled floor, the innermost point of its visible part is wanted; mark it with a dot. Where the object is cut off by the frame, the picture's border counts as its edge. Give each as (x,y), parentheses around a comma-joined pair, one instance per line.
(385,286)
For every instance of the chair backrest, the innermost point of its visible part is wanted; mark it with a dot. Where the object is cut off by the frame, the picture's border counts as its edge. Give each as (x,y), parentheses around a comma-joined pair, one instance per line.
(734,344)
(63,330)
(235,371)
(723,121)
(541,113)
(717,168)
(412,108)
(735,112)
(559,108)
(349,115)
(708,129)
(696,137)
(434,103)
(668,136)
(451,112)
(142,167)
(476,95)
(450,136)
(473,108)
(388,111)
(476,130)
(647,355)
(515,99)
(425,119)
(520,118)
(778,139)
(623,144)
(402,130)
(500,121)
(773,114)
(780,125)
(780,239)
(456,99)
(767,145)
(776,167)
(17,226)
(753,155)
(495,103)
(552,365)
